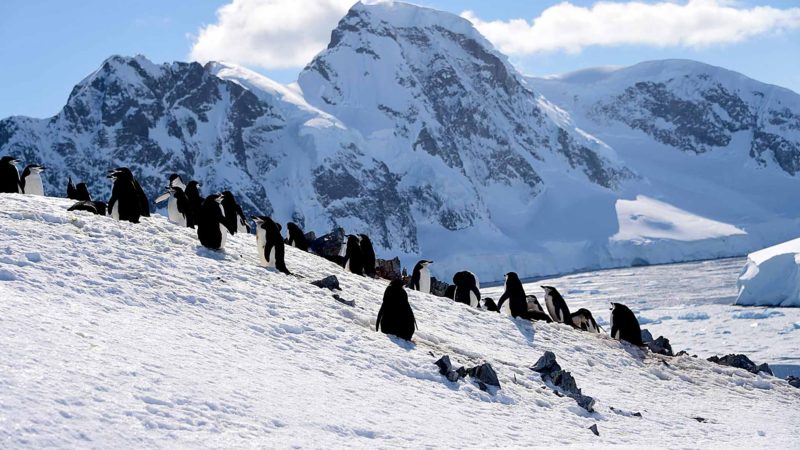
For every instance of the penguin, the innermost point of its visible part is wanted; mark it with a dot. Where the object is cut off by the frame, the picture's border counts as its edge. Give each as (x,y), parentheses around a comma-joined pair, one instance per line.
(97,208)
(211,229)
(583,320)
(296,237)
(144,203)
(556,305)
(124,201)
(79,192)
(450,292)
(178,211)
(9,175)
(624,325)
(467,289)
(421,277)
(30,181)
(367,255)
(353,259)
(395,315)
(518,301)
(533,303)
(490,305)
(270,244)
(235,221)
(192,192)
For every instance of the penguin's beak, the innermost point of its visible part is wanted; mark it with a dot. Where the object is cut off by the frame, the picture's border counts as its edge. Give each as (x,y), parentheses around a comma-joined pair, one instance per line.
(15,161)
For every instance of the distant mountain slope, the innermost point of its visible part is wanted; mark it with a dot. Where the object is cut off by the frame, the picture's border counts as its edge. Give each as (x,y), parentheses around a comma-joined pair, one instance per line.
(412,128)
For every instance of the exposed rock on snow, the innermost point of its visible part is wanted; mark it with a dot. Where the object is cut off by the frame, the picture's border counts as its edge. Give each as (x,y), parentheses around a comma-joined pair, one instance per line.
(329,282)
(552,373)
(771,276)
(741,362)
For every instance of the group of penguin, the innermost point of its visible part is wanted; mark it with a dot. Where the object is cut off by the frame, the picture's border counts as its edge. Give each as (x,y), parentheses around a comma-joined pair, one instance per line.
(218,215)
(11,182)
(466,289)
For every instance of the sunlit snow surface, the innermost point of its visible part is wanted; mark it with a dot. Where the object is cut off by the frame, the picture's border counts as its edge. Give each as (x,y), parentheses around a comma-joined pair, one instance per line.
(117,335)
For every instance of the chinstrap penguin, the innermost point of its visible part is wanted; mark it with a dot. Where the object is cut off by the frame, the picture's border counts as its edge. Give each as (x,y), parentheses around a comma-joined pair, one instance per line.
(30,181)
(77,192)
(124,202)
(556,305)
(467,289)
(270,244)
(367,255)
(518,301)
(178,210)
(421,277)
(353,260)
(211,229)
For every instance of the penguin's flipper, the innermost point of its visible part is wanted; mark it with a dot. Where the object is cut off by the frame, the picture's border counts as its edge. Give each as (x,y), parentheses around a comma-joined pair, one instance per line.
(162,197)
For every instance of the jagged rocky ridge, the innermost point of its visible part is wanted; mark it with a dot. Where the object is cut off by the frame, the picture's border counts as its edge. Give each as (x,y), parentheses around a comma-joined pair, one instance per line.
(409,127)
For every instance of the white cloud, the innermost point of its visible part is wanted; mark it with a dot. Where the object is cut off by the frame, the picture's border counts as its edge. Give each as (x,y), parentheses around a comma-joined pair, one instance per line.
(273,34)
(696,23)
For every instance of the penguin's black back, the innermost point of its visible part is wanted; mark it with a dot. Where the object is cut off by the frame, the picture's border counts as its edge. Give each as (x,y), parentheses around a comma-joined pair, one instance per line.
(208,222)
(395,315)
(625,322)
(296,237)
(560,305)
(125,200)
(98,208)
(9,176)
(275,240)
(353,256)
(192,192)
(465,283)
(515,293)
(368,255)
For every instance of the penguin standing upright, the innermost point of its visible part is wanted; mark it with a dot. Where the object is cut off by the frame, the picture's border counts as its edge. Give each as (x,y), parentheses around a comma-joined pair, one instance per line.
(367,255)
(178,211)
(235,221)
(467,289)
(79,192)
(192,192)
(518,301)
(296,237)
(353,260)
(124,201)
(270,244)
(144,203)
(30,181)
(624,325)
(396,316)
(9,175)
(421,277)
(556,305)
(210,223)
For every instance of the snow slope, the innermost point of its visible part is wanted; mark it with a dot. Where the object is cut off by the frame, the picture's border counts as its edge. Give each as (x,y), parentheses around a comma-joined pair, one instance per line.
(771,276)
(122,335)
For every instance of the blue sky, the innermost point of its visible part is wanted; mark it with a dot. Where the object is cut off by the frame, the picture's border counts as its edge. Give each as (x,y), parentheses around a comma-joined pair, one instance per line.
(49,45)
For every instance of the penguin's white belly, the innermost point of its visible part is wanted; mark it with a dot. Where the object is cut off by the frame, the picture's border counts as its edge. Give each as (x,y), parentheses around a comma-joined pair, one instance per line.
(115,210)
(242,226)
(33,184)
(261,243)
(551,309)
(271,262)
(224,232)
(425,281)
(172,211)
(473,299)
(347,265)
(506,308)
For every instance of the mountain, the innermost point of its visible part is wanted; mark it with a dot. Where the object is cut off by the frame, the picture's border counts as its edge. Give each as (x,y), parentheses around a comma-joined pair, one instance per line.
(412,128)
(158,344)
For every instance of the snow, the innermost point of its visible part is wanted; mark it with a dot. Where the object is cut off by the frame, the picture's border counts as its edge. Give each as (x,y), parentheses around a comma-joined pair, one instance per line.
(123,335)
(771,276)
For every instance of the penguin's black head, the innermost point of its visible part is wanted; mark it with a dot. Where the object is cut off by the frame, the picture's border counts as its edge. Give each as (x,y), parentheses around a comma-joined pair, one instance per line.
(512,276)
(259,220)
(174,177)
(193,184)
(9,160)
(364,237)
(34,168)
(425,262)
(82,190)
(396,284)
(175,190)
(352,239)
(548,289)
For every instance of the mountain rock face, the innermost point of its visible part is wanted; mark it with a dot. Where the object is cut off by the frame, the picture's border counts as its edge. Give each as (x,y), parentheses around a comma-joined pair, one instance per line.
(412,128)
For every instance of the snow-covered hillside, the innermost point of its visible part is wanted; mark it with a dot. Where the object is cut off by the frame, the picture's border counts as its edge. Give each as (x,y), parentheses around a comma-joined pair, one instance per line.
(771,276)
(127,335)
(410,127)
